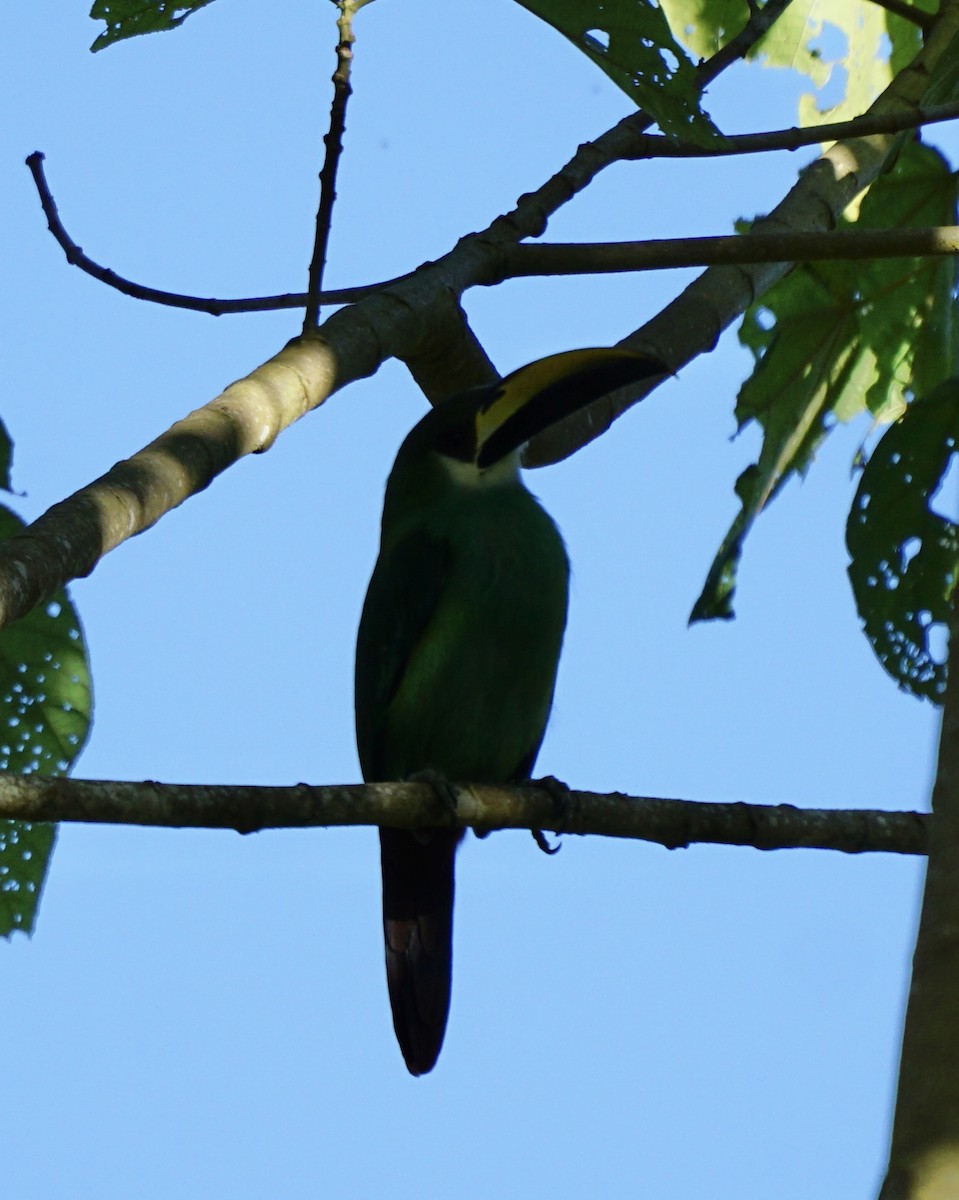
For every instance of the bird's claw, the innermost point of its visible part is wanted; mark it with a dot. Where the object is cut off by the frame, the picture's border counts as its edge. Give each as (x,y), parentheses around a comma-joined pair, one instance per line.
(444,791)
(540,839)
(562,806)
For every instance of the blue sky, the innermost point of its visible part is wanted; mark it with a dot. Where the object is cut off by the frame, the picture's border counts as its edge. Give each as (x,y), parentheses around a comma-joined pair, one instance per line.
(201,1013)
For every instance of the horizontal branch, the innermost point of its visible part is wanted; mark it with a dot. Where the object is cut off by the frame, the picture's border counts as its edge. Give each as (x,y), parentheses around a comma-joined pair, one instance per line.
(589,258)
(669,823)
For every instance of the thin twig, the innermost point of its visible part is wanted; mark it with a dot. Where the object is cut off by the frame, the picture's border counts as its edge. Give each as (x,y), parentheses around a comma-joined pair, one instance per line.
(657,146)
(671,823)
(333,140)
(214,307)
(606,258)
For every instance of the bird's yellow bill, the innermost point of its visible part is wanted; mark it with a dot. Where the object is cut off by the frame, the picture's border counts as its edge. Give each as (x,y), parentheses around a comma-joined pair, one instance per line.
(544,392)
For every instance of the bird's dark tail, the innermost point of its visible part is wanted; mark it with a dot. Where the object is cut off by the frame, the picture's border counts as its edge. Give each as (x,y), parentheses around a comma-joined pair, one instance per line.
(418,928)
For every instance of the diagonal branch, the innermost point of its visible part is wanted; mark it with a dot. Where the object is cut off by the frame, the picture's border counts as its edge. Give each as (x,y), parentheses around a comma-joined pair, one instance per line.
(69,539)
(451,357)
(671,823)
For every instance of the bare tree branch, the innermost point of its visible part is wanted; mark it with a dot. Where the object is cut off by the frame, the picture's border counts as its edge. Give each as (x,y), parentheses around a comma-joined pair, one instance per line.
(67,541)
(671,823)
(642,146)
(333,140)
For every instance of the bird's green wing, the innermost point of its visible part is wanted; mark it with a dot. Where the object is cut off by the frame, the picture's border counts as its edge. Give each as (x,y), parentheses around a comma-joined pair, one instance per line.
(403,596)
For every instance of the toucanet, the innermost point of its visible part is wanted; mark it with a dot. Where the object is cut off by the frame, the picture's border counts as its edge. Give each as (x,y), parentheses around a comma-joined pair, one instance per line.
(459,642)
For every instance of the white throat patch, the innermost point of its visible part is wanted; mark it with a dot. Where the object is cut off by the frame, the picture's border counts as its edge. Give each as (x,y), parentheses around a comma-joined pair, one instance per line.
(467,474)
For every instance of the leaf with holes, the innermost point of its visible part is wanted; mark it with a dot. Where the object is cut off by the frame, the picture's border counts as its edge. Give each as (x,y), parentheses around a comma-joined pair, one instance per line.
(632,42)
(129,18)
(905,555)
(834,339)
(46,703)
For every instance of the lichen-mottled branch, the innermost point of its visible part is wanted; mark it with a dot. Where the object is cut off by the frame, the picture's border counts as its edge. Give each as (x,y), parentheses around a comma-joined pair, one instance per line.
(669,823)
(70,539)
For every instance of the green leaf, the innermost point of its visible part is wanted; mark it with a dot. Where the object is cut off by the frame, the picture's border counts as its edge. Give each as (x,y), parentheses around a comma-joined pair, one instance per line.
(705,26)
(632,42)
(906,37)
(46,704)
(943,86)
(833,339)
(904,555)
(25,852)
(128,18)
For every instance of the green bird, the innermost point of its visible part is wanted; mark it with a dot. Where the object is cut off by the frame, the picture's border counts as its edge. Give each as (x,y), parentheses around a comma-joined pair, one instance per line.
(459,642)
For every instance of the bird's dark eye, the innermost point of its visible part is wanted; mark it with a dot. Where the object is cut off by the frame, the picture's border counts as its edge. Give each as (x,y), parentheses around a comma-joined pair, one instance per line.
(458,441)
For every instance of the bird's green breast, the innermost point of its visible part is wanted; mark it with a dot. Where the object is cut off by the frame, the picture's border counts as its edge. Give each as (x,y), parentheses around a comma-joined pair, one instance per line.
(460,637)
